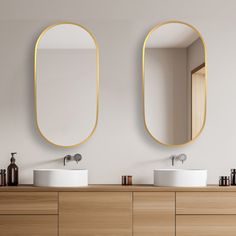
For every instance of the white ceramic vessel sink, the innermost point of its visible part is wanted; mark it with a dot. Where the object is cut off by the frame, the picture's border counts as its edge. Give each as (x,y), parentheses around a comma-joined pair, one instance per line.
(180,178)
(60,178)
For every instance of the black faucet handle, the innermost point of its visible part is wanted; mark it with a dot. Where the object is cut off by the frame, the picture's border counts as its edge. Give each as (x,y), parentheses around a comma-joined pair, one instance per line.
(77,157)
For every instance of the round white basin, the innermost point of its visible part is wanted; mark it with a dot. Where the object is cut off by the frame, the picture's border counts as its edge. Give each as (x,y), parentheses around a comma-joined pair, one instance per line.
(180,177)
(60,178)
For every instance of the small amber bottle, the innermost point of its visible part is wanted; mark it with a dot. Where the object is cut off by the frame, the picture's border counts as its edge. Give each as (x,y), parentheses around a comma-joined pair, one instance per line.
(2,177)
(12,172)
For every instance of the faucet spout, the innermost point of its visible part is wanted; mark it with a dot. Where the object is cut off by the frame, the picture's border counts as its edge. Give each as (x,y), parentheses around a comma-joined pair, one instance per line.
(67,158)
(173,159)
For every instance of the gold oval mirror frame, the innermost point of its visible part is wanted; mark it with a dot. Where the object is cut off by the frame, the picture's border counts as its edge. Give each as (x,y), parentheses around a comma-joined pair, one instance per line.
(66,43)
(162,54)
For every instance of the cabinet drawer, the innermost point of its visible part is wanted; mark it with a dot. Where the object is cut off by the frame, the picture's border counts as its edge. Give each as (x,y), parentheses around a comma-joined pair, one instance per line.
(206,203)
(26,225)
(205,225)
(28,203)
(95,214)
(153,214)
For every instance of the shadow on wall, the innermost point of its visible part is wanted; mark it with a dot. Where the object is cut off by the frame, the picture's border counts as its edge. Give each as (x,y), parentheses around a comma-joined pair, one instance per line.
(57,161)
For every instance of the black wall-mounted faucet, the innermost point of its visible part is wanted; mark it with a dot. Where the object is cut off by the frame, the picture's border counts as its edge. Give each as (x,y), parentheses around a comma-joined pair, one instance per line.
(181,157)
(77,157)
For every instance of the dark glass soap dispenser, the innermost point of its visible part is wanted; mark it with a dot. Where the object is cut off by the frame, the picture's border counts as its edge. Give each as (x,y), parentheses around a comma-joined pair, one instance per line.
(12,172)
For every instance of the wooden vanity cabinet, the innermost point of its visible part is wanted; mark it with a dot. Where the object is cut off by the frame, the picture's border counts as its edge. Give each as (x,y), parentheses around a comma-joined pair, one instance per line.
(205,225)
(206,213)
(113,210)
(117,213)
(28,203)
(206,203)
(154,214)
(28,225)
(28,213)
(95,214)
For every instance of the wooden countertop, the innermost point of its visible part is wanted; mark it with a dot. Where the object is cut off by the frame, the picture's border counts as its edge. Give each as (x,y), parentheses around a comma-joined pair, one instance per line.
(117,188)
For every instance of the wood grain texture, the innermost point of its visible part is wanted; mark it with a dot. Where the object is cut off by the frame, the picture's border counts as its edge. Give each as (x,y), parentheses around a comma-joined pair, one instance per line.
(206,203)
(28,203)
(117,188)
(28,225)
(95,214)
(153,214)
(205,225)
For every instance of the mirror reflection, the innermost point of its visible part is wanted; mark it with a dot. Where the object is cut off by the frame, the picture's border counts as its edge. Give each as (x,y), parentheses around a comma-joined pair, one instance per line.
(174,83)
(66,84)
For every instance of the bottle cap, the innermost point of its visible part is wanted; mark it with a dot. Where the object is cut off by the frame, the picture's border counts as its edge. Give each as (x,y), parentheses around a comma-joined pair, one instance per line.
(12,156)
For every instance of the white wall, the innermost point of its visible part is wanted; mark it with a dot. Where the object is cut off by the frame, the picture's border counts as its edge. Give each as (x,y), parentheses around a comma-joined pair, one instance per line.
(120,145)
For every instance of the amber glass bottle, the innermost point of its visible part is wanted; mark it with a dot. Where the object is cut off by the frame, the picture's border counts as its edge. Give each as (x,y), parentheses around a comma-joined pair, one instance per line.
(12,172)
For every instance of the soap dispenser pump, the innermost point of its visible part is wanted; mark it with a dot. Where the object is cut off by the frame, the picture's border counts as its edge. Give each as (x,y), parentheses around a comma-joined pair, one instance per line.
(12,172)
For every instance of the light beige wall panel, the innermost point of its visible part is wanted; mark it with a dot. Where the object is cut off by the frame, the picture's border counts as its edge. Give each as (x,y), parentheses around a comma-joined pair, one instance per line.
(120,144)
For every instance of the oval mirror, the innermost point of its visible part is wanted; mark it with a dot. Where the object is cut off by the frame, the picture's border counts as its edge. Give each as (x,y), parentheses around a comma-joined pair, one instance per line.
(66,84)
(174,83)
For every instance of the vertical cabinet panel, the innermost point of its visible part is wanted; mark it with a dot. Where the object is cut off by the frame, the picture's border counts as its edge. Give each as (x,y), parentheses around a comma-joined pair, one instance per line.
(153,214)
(95,214)
(27,225)
(205,225)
